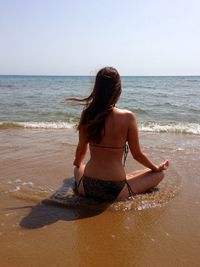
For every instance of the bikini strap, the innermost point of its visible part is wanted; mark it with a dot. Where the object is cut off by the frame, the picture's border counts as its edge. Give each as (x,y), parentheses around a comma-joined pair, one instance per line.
(112,147)
(79,182)
(126,149)
(131,193)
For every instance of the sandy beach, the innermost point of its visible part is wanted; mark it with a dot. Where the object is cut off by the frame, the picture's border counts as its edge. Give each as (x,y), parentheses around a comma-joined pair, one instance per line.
(61,58)
(160,228)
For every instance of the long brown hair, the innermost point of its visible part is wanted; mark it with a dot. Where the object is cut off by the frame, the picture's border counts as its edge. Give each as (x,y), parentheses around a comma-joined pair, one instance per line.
(99,103)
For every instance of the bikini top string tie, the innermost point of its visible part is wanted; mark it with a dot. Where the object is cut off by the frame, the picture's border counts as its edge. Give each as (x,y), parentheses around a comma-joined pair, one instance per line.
(126,149)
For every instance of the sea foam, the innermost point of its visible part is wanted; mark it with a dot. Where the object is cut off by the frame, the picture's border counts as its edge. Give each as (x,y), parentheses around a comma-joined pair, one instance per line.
(37,125)
(182,128)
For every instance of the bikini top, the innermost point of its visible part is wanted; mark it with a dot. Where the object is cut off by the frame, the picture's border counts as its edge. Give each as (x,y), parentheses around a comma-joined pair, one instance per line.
(125,147)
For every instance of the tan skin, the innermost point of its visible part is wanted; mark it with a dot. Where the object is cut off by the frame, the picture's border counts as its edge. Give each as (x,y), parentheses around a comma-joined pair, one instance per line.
(106,164)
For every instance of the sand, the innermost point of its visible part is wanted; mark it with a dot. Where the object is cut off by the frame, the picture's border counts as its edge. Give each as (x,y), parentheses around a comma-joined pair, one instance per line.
(160,228)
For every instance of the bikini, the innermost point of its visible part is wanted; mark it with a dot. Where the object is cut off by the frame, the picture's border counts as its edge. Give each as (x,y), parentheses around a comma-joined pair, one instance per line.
(105,190)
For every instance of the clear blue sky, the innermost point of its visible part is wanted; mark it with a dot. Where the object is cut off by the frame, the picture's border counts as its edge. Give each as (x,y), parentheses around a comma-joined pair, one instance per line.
(73,37)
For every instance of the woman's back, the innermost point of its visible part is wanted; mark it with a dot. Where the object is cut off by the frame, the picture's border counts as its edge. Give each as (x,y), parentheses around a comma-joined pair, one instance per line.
(116,128)
(106,157)
(107,129)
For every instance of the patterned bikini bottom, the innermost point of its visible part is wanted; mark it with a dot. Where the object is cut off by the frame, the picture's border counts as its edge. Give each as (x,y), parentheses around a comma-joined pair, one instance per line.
(103,190)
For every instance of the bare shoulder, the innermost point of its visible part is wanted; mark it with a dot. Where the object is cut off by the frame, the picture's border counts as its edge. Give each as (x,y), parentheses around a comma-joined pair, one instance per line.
(125,113)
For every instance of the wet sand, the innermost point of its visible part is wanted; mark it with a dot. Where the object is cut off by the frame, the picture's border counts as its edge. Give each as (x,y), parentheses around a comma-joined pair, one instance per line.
(160,228)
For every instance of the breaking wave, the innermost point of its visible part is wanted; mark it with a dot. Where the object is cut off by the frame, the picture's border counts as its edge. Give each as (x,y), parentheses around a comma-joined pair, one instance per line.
(183,128)
(37,125)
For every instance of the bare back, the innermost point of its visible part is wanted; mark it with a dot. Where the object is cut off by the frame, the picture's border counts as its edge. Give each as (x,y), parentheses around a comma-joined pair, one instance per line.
(106,158)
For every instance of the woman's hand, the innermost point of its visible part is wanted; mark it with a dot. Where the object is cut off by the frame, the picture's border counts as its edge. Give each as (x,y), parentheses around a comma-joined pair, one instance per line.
(163,166)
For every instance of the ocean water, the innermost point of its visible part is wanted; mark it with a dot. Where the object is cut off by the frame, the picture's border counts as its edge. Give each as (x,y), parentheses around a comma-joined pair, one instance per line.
(161,104)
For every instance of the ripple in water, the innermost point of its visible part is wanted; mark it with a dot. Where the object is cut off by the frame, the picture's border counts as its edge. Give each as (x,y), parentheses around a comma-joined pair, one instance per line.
(66,197)
(157,197)
(28,191)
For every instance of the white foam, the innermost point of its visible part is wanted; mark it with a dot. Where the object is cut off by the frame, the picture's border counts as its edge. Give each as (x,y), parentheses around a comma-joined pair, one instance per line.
(28,183)
(185,128)
(16,189)
(47,125)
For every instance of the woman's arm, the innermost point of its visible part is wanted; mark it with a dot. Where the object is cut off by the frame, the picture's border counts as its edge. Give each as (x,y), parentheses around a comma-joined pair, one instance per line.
(81,149)
(134,145)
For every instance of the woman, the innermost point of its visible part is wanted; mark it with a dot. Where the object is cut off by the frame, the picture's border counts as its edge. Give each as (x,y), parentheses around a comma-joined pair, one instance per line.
(107,129)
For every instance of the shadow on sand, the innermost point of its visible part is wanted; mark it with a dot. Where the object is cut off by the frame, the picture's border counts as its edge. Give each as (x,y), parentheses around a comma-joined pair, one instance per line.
(64,205)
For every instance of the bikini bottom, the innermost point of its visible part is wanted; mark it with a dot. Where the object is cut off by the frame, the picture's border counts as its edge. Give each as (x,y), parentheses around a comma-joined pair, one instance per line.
(104,190)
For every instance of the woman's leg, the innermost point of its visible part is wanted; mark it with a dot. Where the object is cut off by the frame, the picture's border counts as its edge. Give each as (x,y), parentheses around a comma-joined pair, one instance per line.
(141,181)
(78,173)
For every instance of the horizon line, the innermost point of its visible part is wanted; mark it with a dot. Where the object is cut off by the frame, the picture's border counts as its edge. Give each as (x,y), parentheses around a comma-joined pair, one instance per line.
(83,75)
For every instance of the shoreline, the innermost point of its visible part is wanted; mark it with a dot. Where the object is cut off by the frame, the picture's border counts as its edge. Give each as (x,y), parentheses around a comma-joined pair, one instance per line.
(144,127)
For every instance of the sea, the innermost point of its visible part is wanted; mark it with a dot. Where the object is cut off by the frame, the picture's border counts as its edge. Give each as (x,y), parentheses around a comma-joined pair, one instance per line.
(161,103)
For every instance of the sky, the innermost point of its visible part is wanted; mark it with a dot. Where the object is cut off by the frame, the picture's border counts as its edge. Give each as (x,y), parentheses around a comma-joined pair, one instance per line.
(77,37)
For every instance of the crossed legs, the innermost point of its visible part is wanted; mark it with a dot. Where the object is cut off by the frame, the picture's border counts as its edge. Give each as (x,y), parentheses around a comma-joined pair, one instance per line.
(140,181)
